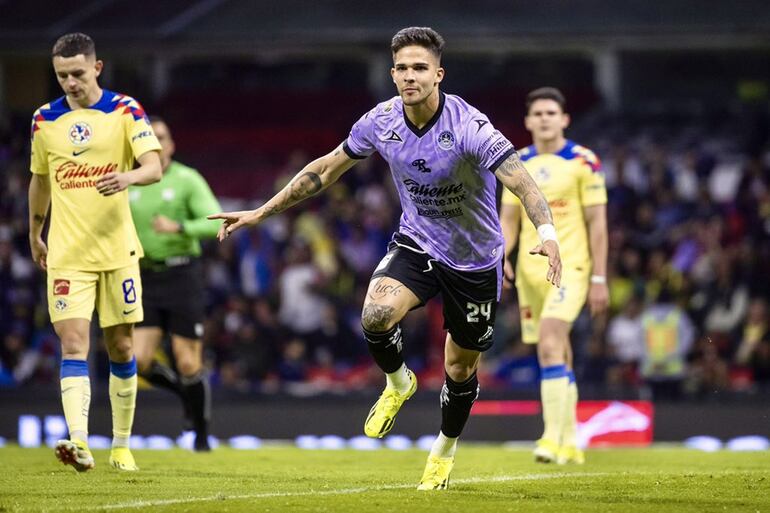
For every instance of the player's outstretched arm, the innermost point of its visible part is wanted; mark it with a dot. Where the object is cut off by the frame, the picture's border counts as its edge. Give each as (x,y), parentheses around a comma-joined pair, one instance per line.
(312,179)
(514,176)
(149,171)
(39,200)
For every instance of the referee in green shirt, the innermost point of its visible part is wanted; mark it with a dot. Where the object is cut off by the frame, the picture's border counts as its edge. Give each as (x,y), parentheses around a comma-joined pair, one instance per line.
(170,218)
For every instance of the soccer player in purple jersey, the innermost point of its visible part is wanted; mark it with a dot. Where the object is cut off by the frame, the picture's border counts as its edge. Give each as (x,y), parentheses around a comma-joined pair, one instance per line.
(444,156)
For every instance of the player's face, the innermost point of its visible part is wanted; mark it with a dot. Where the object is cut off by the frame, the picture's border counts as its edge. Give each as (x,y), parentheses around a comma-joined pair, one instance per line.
(416,73)
(546,121)
(77,76)
(167,146)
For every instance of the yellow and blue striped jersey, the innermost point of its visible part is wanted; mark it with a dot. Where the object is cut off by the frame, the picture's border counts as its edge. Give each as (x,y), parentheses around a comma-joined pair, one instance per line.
(90,232)
(570,180)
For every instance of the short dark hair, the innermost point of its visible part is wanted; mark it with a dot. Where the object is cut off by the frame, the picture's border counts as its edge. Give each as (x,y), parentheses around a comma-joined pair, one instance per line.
(70,45)
(418,36)
(546,93)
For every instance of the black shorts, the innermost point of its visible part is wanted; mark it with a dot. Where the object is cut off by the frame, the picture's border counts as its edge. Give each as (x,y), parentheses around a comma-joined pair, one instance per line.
(470,297)
(174,299)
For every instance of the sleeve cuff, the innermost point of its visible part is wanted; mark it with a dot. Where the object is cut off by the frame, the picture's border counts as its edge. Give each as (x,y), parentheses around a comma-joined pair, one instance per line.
(350,153)
(502,158)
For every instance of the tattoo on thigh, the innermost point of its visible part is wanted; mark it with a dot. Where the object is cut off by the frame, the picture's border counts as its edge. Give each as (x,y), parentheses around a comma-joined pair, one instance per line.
(383,289)
(377,317)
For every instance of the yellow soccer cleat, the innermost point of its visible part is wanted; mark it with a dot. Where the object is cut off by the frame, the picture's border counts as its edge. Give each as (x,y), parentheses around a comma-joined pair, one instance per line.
(122,459)
(436,475)
(545,451)
(74,453)
(381,417)
(570,454)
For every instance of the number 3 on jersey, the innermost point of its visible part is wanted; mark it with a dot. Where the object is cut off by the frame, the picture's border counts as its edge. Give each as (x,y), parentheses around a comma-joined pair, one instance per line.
(474,309)
(129,292)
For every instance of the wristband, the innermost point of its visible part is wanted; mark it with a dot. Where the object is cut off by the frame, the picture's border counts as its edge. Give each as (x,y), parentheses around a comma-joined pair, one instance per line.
(547,232)
(595,278)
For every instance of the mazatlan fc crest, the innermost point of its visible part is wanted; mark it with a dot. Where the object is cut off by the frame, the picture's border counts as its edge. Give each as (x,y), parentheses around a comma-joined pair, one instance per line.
(446,140)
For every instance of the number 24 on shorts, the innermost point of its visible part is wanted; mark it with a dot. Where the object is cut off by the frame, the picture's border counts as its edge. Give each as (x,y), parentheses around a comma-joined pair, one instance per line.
(474,309)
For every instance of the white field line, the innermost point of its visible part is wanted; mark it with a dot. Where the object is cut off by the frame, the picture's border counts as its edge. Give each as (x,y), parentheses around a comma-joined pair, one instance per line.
(339,491)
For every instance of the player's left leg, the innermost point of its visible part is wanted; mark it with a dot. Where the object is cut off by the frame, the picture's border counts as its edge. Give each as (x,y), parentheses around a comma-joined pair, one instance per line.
(460,390)
(120,306)
(569,452)
(118,340)
(188,354)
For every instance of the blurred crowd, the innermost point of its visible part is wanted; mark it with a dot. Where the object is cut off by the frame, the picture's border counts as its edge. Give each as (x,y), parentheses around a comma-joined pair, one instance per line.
(689,217)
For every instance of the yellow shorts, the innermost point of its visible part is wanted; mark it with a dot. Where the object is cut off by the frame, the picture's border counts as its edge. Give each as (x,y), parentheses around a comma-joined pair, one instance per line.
(117,295)
(540,299)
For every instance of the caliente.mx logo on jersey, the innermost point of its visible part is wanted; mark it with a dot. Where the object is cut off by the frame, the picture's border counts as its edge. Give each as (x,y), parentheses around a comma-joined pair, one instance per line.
(80,133)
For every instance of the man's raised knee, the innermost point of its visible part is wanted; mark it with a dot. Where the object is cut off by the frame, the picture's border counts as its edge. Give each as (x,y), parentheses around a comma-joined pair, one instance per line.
(378,318)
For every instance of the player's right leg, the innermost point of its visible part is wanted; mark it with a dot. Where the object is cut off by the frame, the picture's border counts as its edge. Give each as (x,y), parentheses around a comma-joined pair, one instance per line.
(554,383)
(71,299)
(387,302)
(75,393)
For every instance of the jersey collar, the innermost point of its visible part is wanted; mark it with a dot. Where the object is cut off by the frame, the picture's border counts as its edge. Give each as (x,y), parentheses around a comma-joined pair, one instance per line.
(419,132)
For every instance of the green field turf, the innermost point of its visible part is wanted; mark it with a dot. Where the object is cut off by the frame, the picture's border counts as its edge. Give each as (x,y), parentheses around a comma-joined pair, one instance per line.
(485,478)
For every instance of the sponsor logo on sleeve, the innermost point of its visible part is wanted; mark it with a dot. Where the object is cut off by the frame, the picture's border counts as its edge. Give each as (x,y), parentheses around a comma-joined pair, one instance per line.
(61,287)
(142,134)
(80,133)
(480,124)
(60,305)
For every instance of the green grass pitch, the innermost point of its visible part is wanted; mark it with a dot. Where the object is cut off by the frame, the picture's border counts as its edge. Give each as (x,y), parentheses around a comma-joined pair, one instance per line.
(485,478)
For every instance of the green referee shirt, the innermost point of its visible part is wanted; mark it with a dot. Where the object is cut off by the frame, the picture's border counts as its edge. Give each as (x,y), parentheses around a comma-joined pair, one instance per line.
(183,196)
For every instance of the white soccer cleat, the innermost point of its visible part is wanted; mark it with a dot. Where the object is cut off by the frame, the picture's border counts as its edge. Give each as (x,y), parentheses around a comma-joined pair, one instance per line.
(75,454)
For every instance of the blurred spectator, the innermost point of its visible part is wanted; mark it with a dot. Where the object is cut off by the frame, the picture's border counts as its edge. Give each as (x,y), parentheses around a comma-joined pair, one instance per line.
(668,336)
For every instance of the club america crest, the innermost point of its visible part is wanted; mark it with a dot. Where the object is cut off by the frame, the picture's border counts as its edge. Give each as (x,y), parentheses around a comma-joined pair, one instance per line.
(80,133)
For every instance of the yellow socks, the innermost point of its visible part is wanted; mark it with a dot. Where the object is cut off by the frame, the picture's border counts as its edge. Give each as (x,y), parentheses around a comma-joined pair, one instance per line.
(553,396)
(122,400)
(76,397)
(569,423)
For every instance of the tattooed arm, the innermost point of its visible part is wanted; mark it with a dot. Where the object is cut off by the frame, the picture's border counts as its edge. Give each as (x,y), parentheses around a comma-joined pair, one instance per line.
(312,179)
(39,199)
(515,177)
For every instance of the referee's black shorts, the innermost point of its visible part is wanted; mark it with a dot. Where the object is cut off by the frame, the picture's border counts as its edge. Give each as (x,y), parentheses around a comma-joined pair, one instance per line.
(173,298)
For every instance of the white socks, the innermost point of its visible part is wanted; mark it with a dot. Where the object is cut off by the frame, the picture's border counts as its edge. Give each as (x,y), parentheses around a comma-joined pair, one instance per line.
(399,380)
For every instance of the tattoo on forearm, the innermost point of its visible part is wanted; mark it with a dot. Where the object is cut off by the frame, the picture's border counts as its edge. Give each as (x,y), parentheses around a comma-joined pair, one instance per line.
(303,186)
(526,189)
(376,317)
(38,218)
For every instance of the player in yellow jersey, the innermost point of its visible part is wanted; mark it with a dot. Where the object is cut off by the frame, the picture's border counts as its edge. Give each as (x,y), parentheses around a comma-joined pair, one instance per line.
(571,180)
(84,147)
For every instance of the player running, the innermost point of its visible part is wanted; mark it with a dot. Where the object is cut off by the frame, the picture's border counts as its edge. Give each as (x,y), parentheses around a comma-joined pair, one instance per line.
(444,156)
(569,176)
(84,145)
(170,218)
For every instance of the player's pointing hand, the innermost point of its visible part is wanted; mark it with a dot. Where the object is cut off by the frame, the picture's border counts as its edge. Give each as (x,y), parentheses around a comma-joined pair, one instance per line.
(234,221)
(550,248)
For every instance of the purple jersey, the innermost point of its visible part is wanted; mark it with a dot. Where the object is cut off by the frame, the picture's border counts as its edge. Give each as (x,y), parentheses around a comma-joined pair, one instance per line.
(444,173)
